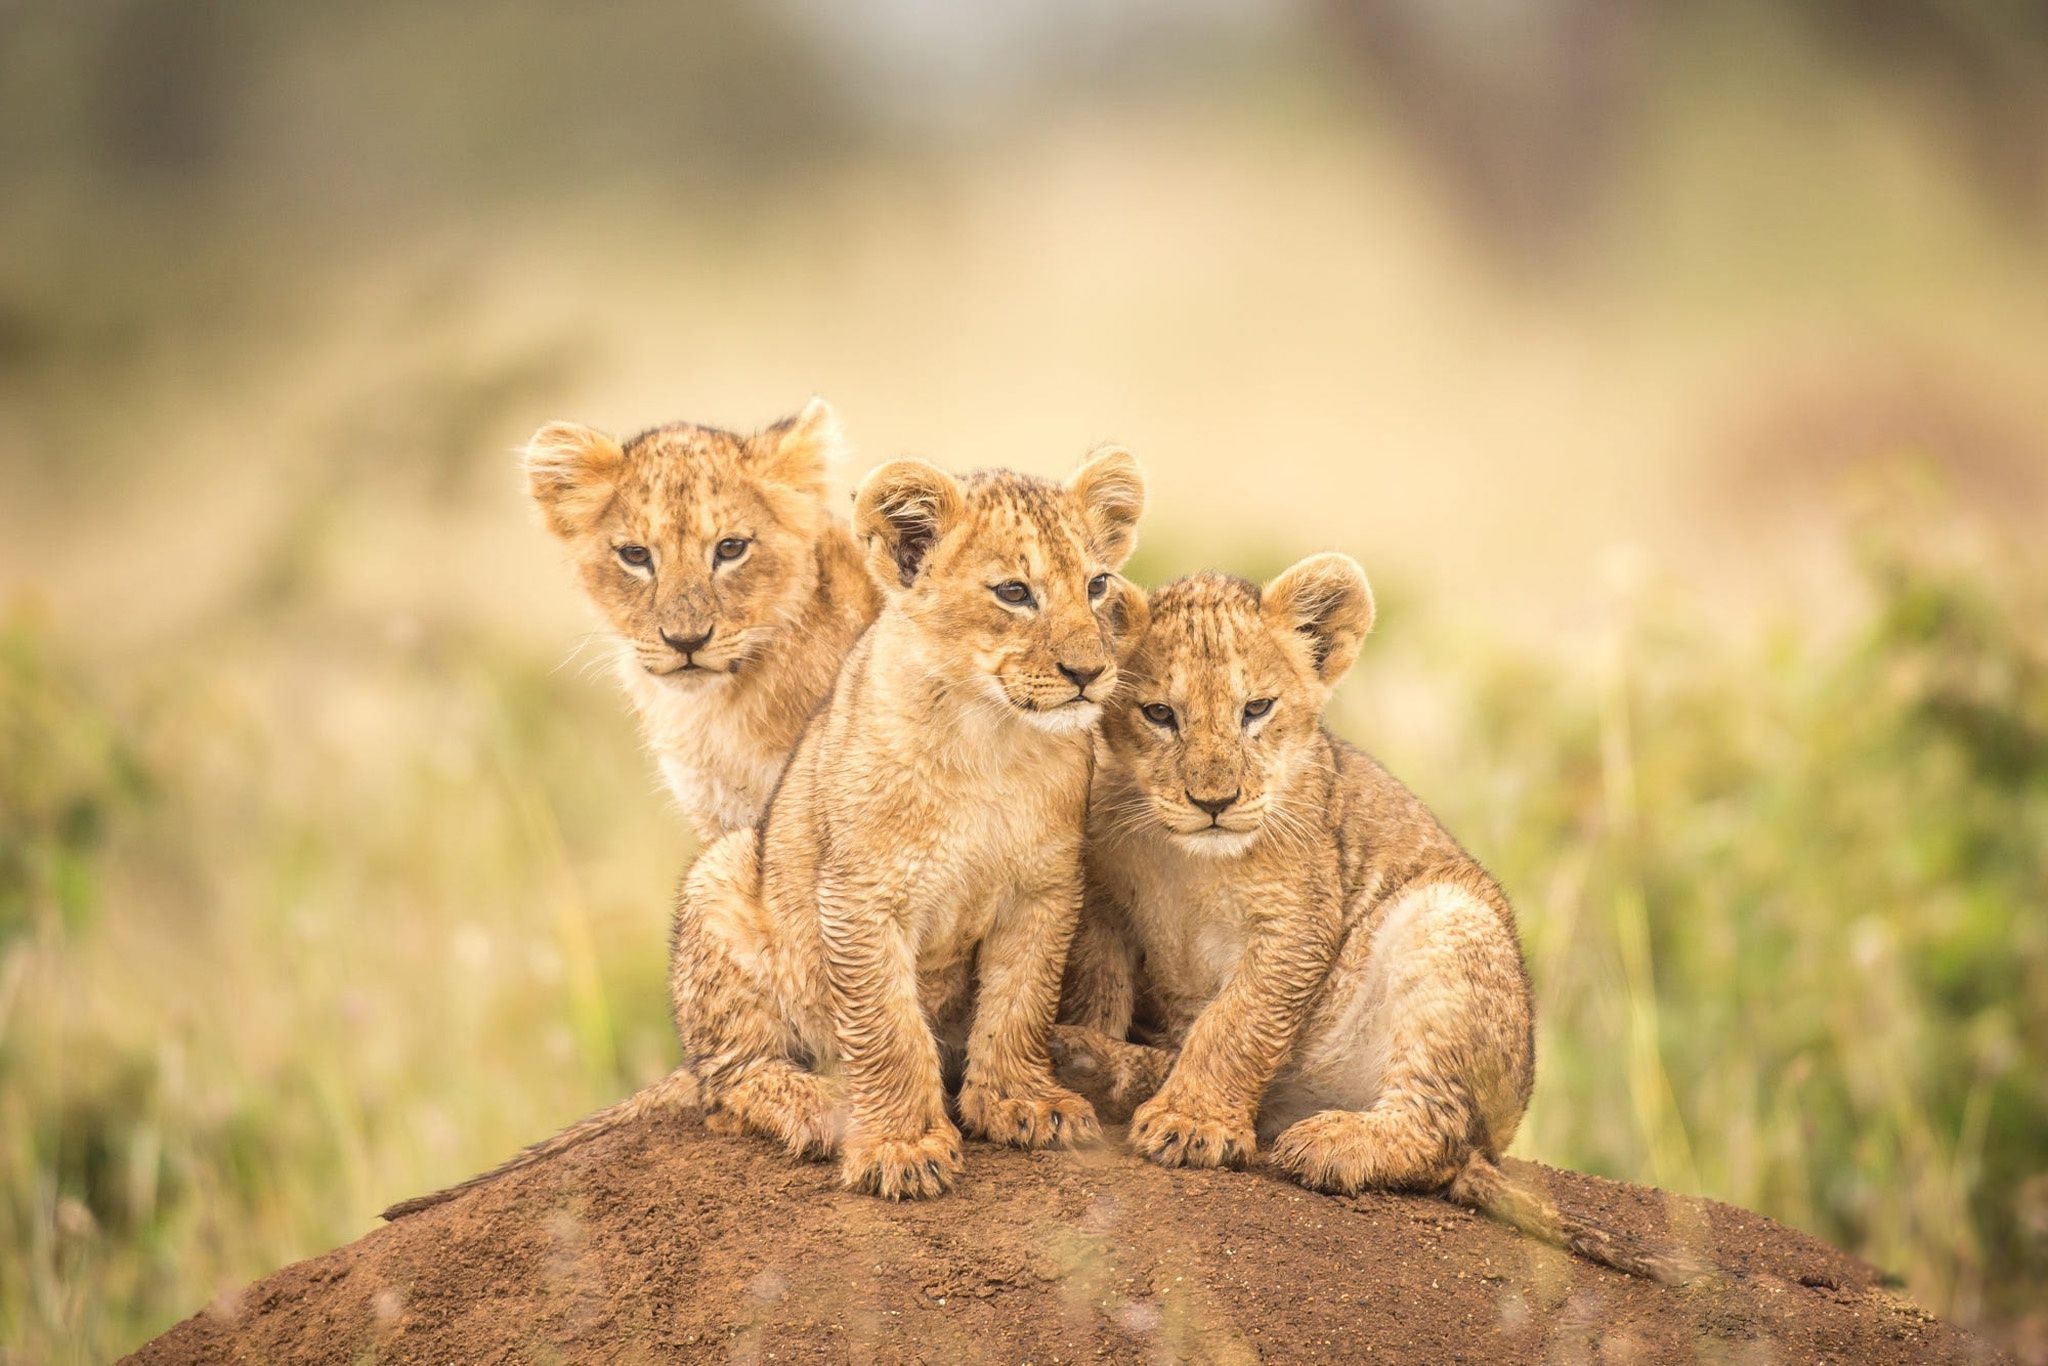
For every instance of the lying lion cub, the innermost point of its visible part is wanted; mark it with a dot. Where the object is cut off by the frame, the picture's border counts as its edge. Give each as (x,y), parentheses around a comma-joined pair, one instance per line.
(1330,965)
(925,846)
(733,593)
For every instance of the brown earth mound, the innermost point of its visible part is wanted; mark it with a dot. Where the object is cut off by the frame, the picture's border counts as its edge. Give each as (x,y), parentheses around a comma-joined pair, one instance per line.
(662,1242)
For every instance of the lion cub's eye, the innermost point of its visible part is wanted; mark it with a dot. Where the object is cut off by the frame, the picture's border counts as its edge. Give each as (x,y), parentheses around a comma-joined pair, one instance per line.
(1014,593)
(731,548)
(1098,585)
(1158,713)
(639,556)
(1257,707)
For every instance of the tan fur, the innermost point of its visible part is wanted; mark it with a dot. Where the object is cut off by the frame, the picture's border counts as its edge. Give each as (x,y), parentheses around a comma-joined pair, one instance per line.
(1323,961)
(723,719)
(910,893)
(925,841)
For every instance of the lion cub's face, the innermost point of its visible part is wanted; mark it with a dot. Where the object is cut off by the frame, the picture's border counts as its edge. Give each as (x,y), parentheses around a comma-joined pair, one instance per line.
(695,544)
(1226,690)
(1012,578)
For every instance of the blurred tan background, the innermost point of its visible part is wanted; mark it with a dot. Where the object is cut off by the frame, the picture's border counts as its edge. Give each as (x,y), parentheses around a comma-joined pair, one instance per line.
(1679,373)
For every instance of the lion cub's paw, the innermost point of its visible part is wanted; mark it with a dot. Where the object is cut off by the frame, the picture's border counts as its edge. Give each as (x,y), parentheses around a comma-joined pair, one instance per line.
(1175,1131)
(904,1169)
(1050,1117)
(1326,1152)
(1127,1072)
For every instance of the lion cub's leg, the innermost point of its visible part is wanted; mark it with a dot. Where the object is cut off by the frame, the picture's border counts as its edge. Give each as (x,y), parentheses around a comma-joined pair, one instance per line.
(1116,1074)
(1440,1012)
(899,1142)
(1008,1094)
(733,1014)
(1100,989)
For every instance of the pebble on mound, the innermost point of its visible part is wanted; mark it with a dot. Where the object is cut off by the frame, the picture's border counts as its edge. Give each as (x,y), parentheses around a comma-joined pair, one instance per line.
(663,1242)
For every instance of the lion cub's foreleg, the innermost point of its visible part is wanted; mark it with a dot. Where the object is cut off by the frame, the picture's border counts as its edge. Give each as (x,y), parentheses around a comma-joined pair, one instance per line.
(1009,1095)
(899,1142)
(1204,1116)
(733,1013)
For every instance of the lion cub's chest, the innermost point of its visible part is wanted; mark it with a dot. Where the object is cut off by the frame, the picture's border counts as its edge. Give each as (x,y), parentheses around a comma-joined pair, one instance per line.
(1190,918)
(993,843)
(717,760)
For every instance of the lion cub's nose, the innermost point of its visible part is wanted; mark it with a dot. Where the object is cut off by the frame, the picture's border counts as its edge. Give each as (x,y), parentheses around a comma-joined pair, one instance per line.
(1215,806)
(1081,678)
(687,645)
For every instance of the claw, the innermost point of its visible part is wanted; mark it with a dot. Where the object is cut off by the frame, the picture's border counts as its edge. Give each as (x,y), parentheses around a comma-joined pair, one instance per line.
(932,1166)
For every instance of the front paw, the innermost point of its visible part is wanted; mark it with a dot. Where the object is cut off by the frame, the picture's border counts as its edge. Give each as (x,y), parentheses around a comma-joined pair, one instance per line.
(1176,1130)
(903,1168)
(1050,1116)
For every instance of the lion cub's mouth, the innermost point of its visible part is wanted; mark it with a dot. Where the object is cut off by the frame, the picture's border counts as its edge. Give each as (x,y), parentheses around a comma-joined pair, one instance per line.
(691,671)
(1216,841)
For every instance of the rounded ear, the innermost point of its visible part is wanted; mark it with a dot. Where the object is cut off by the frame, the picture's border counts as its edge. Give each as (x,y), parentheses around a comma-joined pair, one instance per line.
(1325,602)
(797,451)
(573,473)
(1127,614)
(1111,490)
(900,511)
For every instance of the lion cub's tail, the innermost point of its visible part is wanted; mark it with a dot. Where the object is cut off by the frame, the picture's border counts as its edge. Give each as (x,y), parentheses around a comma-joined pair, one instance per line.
(1484,1187)
(676,1091)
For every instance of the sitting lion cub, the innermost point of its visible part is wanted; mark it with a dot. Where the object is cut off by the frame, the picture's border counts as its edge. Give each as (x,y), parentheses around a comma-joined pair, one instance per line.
(923,846)
(733,593)
(1330,965)
(916,879)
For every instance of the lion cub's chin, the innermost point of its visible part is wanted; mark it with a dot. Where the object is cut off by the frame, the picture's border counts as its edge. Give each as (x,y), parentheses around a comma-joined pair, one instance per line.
(1065,719)
(1215,842)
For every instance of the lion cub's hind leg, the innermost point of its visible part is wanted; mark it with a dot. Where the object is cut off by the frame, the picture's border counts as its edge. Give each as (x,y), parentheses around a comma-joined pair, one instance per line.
(733,1010)
(1441,1018)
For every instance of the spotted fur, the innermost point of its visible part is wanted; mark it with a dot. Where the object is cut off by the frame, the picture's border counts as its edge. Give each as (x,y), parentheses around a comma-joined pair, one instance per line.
(1321,960)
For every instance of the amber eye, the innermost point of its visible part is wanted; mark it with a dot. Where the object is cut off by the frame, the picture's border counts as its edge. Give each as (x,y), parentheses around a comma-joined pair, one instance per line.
(1257,707)
(731,548)
(639,556)
(1159,714)
(1014,593)
(1098,585)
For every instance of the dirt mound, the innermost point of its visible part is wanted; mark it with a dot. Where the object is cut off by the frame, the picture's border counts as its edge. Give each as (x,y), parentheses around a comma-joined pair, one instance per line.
(664,1242)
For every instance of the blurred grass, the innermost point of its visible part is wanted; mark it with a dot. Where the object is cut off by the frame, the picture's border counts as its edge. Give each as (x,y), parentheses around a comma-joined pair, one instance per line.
(282,943)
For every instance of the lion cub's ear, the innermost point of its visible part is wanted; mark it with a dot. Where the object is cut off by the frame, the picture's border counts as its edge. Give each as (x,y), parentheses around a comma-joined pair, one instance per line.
(797,451)
(900,512)
(1128,615)
(1111,491)
(573,472)
(1325,602)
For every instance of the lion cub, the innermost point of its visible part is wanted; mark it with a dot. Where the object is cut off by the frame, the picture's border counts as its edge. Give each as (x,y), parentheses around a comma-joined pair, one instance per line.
(913,886)
(731,591)
(1330,965)
(923,846)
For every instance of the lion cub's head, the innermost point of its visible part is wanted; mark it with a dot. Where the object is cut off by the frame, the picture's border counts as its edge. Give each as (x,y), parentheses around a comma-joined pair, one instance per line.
(1011,580)
(697,545)
(1226,690)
